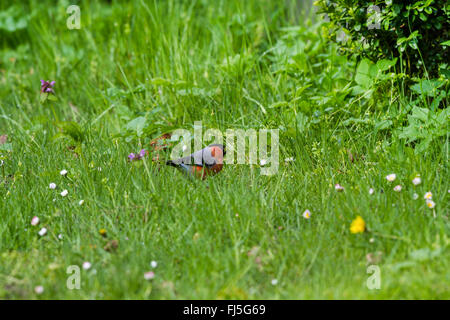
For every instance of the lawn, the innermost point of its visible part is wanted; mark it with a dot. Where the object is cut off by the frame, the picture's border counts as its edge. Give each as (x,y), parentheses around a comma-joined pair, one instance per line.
(138,69)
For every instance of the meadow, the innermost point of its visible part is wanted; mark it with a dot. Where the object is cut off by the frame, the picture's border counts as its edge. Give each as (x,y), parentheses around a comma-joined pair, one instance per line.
(141,230)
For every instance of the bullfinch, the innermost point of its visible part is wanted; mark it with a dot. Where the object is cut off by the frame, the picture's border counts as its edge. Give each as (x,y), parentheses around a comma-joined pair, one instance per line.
(202,163)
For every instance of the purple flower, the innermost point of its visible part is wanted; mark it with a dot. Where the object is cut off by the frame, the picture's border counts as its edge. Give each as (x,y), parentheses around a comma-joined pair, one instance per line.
(142,153)
(139,156)
(47,87)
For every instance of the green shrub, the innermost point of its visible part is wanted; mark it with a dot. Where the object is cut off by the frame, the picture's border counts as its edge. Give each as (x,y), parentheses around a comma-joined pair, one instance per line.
(415,32)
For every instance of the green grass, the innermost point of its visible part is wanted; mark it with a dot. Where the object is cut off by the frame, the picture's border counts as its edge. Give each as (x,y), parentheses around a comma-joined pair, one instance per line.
(230,64)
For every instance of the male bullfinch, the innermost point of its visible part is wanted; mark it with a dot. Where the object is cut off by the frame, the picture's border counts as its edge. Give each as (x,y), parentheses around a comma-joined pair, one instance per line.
(202,163)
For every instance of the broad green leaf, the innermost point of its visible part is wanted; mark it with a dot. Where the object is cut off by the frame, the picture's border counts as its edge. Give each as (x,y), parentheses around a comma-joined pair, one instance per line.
(385,64)
(423,145)
(444,116)
(137,125)
(13,19)
(300,90)
(52,97)
(427,87)
(357,90)
(420,113)
(401,40)
(413,44)
(363,73)
(302,122)
(69,129)
(445,72)
(411,133)
(383,124)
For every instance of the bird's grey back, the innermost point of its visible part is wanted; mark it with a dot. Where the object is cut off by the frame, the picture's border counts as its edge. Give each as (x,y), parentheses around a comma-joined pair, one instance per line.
(200,157)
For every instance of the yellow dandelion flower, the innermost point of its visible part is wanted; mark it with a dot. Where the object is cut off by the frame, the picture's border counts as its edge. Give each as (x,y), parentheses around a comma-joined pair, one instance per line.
(102,232)
(358,225)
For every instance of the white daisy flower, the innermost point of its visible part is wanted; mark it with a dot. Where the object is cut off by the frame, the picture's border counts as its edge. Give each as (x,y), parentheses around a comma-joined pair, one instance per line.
(431,204)
(263,162)
(52,186)
(60,236)
(338,188)
(153,264)
(307,214)
(39,289)
(86,265)
(43,232)
(64,193)
(34,221)
(81,202)
(291,159)
(415,196)
(63,172)
(274,282)
(391,177)
(371,191)
(428,196)
(149,275)
(398,188)
(416,181)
